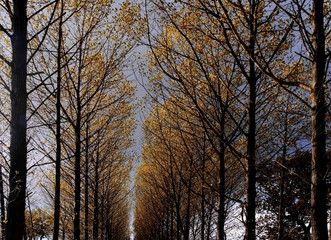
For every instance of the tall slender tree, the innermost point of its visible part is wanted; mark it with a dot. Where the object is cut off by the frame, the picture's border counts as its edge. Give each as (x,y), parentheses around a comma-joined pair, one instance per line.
(19,39)
(57,202)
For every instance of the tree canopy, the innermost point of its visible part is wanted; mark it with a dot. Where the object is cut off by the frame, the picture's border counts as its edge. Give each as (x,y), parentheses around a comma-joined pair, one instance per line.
(235,128)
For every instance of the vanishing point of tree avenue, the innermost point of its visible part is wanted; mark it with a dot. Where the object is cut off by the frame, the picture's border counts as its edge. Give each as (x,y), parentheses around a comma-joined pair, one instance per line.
(233,99)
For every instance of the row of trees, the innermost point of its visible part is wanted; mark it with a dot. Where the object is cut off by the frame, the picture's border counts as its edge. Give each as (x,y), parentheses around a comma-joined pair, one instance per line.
(67,109)
(236,143)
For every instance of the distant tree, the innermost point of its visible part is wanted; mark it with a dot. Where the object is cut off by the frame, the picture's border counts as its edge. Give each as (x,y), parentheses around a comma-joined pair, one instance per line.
(197,49)
(295,200)
(38,224)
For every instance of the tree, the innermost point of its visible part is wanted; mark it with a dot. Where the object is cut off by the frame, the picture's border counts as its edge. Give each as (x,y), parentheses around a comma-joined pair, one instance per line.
(91,68)
(170,183)
(20,40)
(295,200)
(38,224)
(106,87)
(17,178)
(58,131)
(188,65)
(2,205)
(313,36)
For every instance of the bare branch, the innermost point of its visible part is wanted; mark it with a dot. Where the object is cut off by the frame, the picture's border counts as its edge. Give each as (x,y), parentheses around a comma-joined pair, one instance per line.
(41,9)
(45,34)
(5,60)
(5,31)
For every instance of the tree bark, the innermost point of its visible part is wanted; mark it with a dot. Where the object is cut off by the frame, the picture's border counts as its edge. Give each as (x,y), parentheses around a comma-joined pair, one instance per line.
(102,220)
(251,139)
(281,201)
(251,174)
(78,154)
(58,134)
(77,179)
(318,139)
(86,181)
(172,235)
(18,148)
(2,206)
(188,207)
(203,212)
(282,181)
(209,225)
(96,198)
(221,205)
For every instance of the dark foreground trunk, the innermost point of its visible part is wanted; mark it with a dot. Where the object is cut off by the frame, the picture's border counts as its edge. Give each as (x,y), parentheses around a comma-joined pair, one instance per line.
(318,139)
(18,150)
(58,136)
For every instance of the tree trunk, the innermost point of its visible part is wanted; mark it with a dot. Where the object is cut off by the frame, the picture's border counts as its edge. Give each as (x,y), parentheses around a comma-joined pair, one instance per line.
(172,220)
(178,218)
(96,199)
(102,218)
(58,135)
(109,235)
(281,203)
(77,128)
(203,214)
(2,206)
(188,207)
(282,182)
(318,139)
(63,234)
(251,174)
(77,162)
(210,218)
(221,204)
(167,223)
(251,170)
(18,148)
(77,180)
(86,182)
